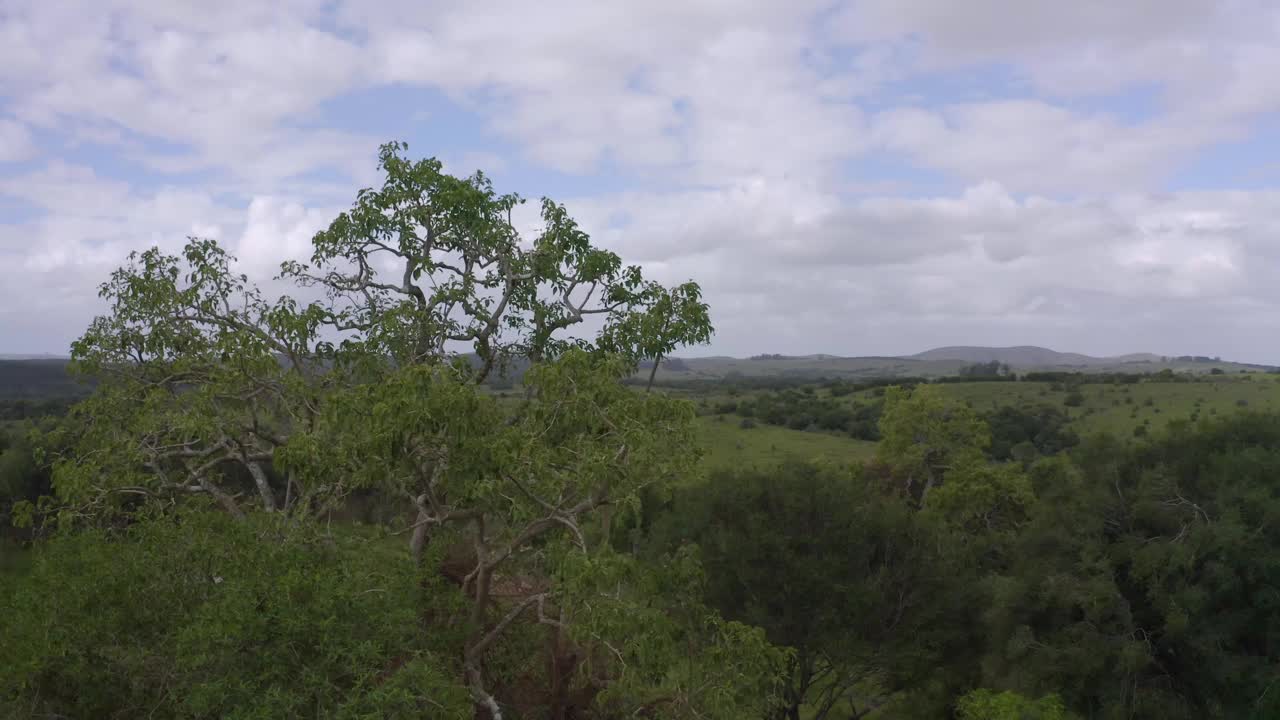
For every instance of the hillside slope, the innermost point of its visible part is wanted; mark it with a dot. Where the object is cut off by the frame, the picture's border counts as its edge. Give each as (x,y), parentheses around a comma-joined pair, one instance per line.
(1028,356)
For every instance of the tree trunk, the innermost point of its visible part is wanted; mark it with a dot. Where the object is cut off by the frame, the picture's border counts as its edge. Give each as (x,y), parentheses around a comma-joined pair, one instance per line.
(559,681)
(264,487)
(418,541)
(486,705)
(288,493)
(652,372)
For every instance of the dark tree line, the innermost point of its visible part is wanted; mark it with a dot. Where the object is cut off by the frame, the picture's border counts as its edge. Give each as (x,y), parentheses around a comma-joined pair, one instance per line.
(804,410)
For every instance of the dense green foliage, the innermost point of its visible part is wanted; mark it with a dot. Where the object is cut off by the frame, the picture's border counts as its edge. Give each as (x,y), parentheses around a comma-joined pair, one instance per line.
(1021,432)
(830,565)
(803,409)
(1097,579)
(202,616)
(1153,564)
(1122,581)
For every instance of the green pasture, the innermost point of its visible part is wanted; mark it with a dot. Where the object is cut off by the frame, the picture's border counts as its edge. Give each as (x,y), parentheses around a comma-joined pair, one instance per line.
(727,444)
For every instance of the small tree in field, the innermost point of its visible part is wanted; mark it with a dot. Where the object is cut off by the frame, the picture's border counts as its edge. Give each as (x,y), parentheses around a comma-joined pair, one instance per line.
(423,290)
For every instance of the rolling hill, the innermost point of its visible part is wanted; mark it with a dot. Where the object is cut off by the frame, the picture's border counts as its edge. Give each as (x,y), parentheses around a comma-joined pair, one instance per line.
(1030,356)
(937,362)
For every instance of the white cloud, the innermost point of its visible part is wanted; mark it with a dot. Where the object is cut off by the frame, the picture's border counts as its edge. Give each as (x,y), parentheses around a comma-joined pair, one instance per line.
(221,87)
(1037,147)
(979,262)
(15,142)
(278,229)
(749,140)
(51,265)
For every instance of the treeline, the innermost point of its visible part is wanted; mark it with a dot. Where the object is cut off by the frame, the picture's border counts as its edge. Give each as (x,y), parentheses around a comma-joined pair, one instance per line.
(983,372)
(38,380)
(804,410)
(33,408)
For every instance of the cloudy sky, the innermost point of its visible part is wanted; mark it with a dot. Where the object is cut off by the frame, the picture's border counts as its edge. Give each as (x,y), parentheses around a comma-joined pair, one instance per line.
(870,177)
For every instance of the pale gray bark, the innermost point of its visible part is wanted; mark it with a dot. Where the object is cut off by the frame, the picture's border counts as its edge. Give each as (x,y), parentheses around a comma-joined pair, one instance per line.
(264,487)
(418,541)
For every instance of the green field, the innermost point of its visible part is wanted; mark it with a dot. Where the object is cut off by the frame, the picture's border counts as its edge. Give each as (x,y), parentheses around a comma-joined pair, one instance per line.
(1118,409)
(726,444)
(1104,408)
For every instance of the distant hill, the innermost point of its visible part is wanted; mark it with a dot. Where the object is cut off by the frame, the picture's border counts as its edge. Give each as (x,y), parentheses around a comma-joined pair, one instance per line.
(937,362)
(40,356)
(1029,356)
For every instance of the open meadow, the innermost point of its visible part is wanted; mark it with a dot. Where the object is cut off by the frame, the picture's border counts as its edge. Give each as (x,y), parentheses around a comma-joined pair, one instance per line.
(1119,409)
(727,444)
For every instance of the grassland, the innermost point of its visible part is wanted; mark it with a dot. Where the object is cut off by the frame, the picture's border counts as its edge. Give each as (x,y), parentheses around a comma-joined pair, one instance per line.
(727,444)
(1103,408)
(1118,409)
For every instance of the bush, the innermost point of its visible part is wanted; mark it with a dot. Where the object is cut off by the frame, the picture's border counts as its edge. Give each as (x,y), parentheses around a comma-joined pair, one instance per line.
(988,705)
(1075,398)
(204,616)
(728,407)
(747,423)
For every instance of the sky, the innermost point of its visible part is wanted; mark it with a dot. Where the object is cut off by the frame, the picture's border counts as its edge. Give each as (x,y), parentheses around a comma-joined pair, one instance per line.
(872,177)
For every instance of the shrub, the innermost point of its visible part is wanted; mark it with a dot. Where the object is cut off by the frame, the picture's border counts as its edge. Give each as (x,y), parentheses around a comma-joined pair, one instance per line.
(986,704)
(204,616)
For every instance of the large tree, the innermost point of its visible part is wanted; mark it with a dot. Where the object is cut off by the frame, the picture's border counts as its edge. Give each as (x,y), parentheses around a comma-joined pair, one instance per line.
(370,375)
